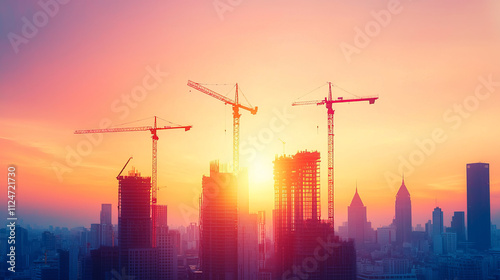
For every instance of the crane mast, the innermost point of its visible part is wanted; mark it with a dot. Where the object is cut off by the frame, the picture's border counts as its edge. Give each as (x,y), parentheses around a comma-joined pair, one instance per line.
(236,117)
(328,102)
(154,184)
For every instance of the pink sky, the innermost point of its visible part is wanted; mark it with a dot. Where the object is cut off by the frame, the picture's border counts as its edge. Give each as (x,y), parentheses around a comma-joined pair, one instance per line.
(75,70)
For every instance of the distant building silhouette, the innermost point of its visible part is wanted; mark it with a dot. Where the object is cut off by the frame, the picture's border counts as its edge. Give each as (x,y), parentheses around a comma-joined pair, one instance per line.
(218,225)
(458,227)
(106,238)
(437,221)
(403,215)
(478,206)
(134,223)
(437,230)
(359,228)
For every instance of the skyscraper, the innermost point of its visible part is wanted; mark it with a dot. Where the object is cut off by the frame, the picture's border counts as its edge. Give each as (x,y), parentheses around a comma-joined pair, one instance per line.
(403,215)
(356,220)
(458,227)
(219,225)
(437,230)
(105,214)
(134,222)
(478,205)
(437,221)
(106,226)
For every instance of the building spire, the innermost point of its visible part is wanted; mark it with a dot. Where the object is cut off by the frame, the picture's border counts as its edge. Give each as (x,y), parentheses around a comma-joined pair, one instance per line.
(356,200)
(403,191)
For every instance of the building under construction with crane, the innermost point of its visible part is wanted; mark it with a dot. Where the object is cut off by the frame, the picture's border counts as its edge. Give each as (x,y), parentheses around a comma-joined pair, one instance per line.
(328,102)
(228,233)
(154,159)
(298,226)
(134,221)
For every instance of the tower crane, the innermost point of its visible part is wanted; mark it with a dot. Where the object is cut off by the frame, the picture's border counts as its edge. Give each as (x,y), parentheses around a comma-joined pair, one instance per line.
(328,101)
(154,187)
(236,117)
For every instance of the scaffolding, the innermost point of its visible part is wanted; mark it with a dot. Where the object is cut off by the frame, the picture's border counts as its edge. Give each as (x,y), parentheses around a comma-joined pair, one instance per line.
(296,201)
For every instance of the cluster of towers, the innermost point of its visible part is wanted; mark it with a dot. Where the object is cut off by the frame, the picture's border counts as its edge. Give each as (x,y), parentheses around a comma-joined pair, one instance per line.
(477,234)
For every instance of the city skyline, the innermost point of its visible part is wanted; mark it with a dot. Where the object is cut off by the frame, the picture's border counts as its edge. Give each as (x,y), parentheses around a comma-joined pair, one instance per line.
(416,99)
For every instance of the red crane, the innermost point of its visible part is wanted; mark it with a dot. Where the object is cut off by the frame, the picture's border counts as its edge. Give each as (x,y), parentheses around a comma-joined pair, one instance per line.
(154,187)
(328,101)
(236,117)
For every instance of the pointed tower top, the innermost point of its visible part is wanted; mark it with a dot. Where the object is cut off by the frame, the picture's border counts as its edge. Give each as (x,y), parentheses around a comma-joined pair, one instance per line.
(403,191)
(356,200)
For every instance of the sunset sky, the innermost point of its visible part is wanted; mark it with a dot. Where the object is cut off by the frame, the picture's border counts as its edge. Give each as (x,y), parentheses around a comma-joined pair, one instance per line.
(63,67)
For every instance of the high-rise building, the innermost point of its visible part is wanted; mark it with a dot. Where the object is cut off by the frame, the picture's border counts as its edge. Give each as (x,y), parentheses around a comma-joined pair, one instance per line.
(428,228)
(478,206)
(458,227)
(437,221)
(403,215)
(106,238)
(298,228)
(356,220)
(105,215)
(296,199)
(134,222)
(219,225)
(437,230)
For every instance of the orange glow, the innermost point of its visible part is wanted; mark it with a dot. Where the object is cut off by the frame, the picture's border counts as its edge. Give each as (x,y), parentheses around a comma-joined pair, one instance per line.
(133,62)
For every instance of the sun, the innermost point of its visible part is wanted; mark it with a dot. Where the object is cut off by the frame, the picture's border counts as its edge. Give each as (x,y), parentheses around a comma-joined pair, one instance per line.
(260,171)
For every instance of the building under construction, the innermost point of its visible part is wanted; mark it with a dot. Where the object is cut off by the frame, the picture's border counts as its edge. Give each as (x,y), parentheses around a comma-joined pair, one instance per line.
(219,225)
(134,221)
(299,233)
(296,199)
